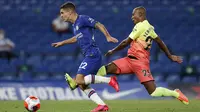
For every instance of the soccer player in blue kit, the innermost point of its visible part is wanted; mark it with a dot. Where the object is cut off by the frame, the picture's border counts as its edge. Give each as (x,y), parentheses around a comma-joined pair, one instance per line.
(83,27)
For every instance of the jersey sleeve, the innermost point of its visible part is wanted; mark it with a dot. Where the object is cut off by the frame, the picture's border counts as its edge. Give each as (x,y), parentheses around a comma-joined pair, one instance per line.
(153,34)
(135,32)
(88,21)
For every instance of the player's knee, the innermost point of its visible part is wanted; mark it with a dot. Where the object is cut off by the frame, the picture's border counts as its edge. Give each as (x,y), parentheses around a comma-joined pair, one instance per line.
(80,80)
(111,68)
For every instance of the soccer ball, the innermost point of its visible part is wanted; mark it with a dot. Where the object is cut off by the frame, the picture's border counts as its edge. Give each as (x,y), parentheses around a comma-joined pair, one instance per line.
(32,103)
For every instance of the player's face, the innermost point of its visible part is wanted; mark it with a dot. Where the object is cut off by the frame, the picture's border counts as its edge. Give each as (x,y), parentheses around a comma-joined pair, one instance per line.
(135,16)
(65,14)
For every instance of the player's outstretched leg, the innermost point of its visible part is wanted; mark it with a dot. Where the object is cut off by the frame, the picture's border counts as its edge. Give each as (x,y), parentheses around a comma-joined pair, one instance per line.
(161,91)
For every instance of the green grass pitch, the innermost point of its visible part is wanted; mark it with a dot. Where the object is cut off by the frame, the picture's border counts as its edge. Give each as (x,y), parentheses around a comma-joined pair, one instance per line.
(115,106)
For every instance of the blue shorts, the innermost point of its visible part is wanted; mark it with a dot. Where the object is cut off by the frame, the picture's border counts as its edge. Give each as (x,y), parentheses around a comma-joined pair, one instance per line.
(90,64)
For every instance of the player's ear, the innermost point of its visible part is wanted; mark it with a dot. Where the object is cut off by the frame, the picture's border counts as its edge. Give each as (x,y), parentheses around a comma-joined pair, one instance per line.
(140,14)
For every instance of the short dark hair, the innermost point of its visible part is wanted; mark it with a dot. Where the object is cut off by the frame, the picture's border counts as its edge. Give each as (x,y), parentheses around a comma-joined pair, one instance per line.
(68,5)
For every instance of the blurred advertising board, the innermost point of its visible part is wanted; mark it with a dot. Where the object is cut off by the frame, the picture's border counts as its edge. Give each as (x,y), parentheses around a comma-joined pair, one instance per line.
(61,91)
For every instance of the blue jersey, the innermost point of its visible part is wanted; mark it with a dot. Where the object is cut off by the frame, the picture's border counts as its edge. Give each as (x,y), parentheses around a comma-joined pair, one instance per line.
(83,28)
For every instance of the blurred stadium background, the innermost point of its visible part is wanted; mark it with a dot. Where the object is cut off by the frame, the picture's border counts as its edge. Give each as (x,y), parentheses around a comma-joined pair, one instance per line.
(38,65)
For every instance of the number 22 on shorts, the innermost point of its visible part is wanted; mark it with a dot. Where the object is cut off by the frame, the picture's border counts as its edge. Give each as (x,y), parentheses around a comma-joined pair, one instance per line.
(83,65)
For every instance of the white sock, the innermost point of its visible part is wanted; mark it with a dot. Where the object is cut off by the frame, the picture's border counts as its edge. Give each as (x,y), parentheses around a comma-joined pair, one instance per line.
(93,79)
(94,96)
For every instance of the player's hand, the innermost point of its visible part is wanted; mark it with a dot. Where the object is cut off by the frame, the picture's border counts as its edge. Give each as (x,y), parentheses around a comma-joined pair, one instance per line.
(112,39)
(57,44)
(110,52)
(175,58)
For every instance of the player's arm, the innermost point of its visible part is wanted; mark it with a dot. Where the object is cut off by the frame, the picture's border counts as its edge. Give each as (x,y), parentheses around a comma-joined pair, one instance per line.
(103,29)
(164,48)
(67,41)
(121,46)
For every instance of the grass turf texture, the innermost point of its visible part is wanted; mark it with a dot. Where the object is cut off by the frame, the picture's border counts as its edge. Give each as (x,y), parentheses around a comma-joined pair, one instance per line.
(115,106)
